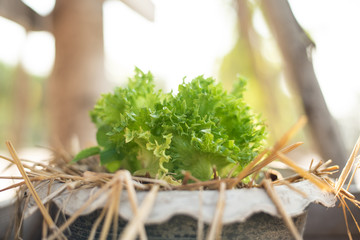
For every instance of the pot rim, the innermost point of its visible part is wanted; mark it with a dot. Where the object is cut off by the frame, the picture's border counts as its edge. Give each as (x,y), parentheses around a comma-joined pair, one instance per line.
(240,203)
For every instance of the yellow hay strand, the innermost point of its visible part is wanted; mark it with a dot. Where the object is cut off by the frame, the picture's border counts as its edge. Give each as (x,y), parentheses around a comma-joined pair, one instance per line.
(131,228)
(334,168)
(112,184)
(31,188)
(346,221)
(133,201)
(116,202)
(343,201)
(305,174)
(292,131)
(246,171)
(113,196)
(279,206)
(345,193)
(286,183)
(216,224)
(80,210)
(98,221)
(347,169)
(353,175)
(200,223)
(311,163)
(273,156)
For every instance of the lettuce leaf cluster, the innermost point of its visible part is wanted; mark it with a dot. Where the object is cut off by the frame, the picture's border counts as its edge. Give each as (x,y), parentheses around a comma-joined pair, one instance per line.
(199,129)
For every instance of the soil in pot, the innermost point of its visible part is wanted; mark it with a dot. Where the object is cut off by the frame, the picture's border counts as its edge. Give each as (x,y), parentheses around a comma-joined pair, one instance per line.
(182,227)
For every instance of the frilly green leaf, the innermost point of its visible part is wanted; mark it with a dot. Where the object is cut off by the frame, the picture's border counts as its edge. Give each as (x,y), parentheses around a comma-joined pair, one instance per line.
(201,128)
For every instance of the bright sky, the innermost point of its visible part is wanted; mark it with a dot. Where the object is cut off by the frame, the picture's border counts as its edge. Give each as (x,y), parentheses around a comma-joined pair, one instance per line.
(335,30)
(189,38)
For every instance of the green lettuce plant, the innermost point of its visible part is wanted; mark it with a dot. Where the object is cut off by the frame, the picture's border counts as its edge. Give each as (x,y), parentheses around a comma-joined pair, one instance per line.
(200,129)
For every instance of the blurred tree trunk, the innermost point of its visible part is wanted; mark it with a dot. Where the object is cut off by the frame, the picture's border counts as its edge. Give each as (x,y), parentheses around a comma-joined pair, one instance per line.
(295,47)
(78,71)
(78,74)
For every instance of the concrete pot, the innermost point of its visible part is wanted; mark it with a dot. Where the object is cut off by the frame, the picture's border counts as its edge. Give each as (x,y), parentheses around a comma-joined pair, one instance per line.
(248,213)
(30,227)
(184,227)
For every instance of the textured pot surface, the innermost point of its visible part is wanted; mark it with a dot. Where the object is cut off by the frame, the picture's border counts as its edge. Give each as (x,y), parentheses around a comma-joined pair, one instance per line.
(240,203)
(248,213)
(182,227)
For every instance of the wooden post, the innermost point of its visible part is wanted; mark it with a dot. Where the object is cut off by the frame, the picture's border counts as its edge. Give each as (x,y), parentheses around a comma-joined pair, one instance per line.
(78,71)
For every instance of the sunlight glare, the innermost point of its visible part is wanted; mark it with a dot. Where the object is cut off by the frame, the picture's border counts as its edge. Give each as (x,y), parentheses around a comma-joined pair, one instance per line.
(11,43)
(39,53)
(43,7)
(186,39)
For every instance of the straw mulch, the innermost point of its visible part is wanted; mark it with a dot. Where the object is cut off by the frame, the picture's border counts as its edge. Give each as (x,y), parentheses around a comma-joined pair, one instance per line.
(86,175)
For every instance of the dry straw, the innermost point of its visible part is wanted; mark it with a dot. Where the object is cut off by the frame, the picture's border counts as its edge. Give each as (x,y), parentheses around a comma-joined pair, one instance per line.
(112,185)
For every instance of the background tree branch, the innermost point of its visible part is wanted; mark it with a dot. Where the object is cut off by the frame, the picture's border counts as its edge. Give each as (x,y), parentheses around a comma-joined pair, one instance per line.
(295,47)
(19,12)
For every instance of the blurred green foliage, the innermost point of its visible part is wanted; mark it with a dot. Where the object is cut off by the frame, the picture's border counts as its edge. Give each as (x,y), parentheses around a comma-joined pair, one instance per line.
(21,121)
(256,58)
(6,74)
